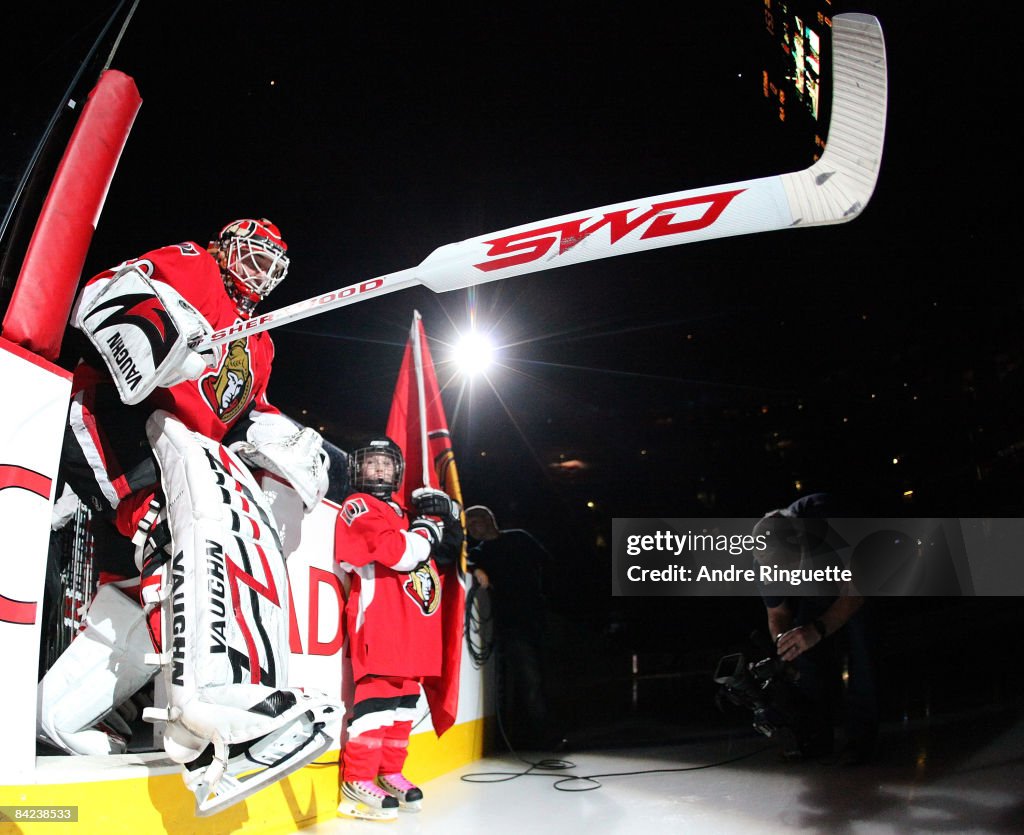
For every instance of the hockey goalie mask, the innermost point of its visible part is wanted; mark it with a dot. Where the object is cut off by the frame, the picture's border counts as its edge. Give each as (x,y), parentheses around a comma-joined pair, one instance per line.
(254,258)
(376,468)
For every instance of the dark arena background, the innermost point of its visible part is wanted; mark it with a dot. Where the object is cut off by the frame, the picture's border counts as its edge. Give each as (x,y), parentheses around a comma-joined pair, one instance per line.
(880,360)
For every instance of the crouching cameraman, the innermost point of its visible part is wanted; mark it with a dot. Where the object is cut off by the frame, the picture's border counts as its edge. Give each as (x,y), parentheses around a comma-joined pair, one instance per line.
(815,632)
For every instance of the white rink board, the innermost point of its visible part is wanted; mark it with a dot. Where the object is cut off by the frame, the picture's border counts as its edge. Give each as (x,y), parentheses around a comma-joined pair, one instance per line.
(31,429)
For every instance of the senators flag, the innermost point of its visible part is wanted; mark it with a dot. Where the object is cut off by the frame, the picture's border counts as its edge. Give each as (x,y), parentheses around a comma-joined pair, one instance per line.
(417,423)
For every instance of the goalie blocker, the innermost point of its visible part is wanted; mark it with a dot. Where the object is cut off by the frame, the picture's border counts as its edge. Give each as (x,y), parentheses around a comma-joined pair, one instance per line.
(144,331)
(222,603)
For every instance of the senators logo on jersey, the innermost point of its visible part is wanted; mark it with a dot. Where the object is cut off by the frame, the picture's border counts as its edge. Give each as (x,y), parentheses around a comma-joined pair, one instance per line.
(227,390)
(352,510)
(424,586)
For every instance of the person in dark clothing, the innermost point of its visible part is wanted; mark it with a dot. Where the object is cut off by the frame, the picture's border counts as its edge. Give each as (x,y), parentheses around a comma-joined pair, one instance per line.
(510,564)
(817,631)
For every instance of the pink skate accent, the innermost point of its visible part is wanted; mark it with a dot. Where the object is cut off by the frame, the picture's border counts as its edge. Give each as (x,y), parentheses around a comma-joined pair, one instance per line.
(371,788)
(397,779)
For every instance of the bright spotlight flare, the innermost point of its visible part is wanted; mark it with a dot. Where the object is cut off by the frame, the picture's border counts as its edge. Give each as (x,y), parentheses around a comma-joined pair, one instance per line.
(834,189)
(473,353)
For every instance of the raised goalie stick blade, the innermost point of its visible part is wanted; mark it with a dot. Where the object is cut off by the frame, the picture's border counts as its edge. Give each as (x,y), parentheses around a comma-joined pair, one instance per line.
(838,186)
(833,190)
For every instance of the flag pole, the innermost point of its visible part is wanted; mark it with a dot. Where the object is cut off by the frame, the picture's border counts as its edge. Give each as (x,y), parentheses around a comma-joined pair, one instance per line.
(417,353)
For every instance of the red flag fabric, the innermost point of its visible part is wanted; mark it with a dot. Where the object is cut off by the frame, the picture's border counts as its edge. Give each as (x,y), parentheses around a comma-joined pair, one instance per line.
(406,429)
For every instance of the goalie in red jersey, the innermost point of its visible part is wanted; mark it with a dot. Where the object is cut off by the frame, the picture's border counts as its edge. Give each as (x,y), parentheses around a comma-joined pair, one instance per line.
(393,619)
(142,319)
(166,442)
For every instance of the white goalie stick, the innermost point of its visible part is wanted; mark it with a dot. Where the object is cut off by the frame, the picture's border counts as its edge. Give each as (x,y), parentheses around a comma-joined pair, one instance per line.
(834,189)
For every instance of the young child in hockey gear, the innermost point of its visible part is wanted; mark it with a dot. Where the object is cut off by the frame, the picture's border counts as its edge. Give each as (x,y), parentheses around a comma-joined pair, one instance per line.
(393,620)
(142,320)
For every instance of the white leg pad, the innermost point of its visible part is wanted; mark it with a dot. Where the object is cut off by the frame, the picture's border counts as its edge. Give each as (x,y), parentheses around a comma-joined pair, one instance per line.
(225,627)
(101,668)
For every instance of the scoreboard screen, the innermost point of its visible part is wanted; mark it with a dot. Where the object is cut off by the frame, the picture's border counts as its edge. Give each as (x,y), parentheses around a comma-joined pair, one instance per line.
(798,45)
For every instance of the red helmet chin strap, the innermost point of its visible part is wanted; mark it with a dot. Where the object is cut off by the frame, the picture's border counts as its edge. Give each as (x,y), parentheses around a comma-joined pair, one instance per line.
(245,300)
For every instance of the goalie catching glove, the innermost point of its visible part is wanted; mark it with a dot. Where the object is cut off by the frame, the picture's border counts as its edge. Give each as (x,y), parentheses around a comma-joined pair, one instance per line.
(144,331)
(440,523)
(292,452)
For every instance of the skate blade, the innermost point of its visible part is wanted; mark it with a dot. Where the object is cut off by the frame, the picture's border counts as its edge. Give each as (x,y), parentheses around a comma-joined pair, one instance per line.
(411,807)
(351,809)
(232,789)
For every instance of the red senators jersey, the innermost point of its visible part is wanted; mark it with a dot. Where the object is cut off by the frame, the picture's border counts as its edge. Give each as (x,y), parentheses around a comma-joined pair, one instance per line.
(393,612)
(213,403)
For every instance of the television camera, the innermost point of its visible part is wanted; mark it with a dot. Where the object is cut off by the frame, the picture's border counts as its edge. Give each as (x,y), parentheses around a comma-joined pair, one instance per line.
(764,687)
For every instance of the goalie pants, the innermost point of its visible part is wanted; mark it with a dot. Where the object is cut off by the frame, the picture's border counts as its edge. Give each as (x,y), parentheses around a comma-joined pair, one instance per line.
(107,461)
(383,712)
(106,456)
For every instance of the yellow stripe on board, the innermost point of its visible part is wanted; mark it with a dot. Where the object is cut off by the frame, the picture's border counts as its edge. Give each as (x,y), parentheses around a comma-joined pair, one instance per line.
(430,757)
(161,803)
